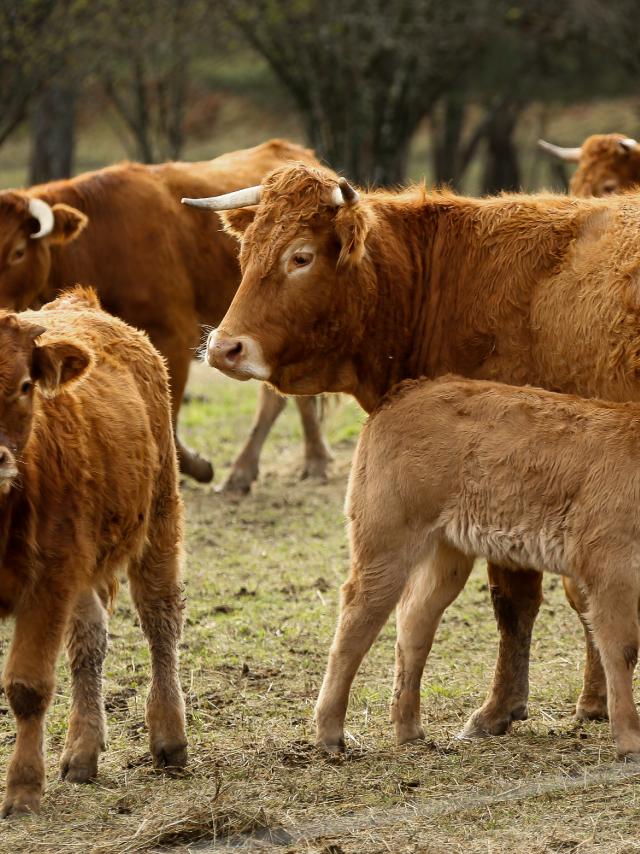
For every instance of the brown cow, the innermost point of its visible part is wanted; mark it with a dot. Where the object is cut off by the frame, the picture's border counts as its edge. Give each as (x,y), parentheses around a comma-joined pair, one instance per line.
(450,469)
(88,483)
(607,163)
(153,262)
(341,293)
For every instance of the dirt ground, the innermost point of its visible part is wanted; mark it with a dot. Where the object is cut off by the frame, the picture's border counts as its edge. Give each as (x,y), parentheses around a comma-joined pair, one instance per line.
(262,578)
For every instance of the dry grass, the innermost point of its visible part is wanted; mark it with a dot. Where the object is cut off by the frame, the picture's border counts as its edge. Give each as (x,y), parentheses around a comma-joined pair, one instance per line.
(262,580)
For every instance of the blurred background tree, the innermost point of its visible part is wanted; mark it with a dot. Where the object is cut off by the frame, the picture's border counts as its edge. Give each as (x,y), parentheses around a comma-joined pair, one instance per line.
(456,90)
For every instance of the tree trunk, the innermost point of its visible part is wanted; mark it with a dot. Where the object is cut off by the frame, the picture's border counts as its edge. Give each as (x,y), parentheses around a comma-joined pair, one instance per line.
(502,168)
(446,141)
(53,125)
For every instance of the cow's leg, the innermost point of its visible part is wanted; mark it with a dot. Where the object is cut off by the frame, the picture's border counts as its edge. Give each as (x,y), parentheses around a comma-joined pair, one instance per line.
(245,467)
(29,677)
(317,455)
(367,598)
(592,702)
(86,650)
(429,591)
(516,597)
(157,595)
(613,615)
(178,357)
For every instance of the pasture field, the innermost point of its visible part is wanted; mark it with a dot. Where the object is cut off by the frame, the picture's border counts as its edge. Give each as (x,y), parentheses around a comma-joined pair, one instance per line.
(262,578)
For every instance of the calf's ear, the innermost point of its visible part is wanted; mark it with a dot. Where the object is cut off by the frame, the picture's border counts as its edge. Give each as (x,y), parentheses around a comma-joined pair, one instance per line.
(68,223)
(57,365)
(353,223)
(236,222)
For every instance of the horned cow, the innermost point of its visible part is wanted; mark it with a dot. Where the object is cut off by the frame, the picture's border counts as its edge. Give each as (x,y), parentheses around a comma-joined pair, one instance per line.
(355,292)
(449,469)
(153,263)
(88,483)
(607,163)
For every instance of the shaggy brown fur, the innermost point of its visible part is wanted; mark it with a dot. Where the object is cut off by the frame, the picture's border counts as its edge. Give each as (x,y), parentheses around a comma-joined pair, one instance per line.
(163,267)
(541,289)
(451,469)
(89,484)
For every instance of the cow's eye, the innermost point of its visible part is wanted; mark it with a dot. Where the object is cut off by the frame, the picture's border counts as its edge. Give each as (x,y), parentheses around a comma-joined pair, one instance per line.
(301,259)
(26,387)
(18,253)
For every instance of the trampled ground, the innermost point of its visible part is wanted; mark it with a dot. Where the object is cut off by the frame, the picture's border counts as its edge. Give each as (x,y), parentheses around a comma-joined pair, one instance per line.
(262,578)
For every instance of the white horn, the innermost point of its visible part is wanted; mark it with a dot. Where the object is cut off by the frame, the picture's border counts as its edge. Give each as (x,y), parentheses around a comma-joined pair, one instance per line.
(42,212)
(628,144)
(344,192)
(570,154)
(238,199)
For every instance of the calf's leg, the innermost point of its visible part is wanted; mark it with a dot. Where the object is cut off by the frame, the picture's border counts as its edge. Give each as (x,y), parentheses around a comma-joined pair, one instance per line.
(613,615)
(592,702)
(317,455)
(86,650)
(516,597)
(157,595)
(429,591)
(29,677)
(367,598)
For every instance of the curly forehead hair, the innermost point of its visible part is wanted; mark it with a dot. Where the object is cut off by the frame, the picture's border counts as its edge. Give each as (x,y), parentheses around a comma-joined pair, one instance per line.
(292,196)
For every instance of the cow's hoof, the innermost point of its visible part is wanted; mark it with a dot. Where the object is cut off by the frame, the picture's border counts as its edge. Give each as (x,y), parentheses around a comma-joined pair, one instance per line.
(195,466)
(238,483)
(592,709)
(170,754)
(483,724)
(21,800)
(78,769)
(316,469)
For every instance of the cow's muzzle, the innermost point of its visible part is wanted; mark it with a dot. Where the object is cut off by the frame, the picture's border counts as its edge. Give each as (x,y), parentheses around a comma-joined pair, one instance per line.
(238,356)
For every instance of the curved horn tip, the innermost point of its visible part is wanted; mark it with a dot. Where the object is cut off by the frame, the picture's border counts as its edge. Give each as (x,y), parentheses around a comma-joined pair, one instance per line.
(41,211)
(344,192)
(570,154)
(628,144)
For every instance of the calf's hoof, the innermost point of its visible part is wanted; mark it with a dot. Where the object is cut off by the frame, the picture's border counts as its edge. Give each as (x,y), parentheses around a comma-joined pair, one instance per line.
(333,747)
(195,466)
(170,754)
(78,768)
(592,709)
(21,800)
(408,732)
(484,722)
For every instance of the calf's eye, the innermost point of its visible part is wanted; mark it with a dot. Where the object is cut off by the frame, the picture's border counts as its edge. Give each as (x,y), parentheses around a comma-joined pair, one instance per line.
(26,387)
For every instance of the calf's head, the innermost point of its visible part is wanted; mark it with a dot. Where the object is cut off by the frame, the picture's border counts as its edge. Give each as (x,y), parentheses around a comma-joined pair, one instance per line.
(607,163)
(299,311)
(28,367)
(29,227)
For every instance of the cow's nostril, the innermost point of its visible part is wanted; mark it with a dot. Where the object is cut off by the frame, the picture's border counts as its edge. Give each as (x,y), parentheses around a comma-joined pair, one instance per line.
(234,351)
(3,456)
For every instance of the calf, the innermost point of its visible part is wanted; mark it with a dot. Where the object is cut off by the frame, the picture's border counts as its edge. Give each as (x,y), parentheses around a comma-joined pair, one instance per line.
(453,468)
(88,483)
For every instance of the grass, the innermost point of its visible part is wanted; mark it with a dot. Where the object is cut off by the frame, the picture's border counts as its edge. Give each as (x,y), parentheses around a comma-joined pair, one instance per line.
(262,578)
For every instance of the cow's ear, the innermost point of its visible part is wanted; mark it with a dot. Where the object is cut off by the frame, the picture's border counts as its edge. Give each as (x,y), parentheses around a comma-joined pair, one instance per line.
(237,221)
(353,223)
(57,365)
(68,223)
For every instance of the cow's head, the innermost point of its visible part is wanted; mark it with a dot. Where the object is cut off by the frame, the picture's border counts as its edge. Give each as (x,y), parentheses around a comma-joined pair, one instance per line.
(607,163)
(29,227)
(299,311)
(28,367)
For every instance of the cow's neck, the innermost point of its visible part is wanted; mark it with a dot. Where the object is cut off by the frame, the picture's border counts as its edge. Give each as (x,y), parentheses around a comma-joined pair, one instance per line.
(450,303)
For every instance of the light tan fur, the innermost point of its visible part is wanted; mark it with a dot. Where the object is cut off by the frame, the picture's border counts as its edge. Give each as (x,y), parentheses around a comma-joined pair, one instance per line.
(453,468)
